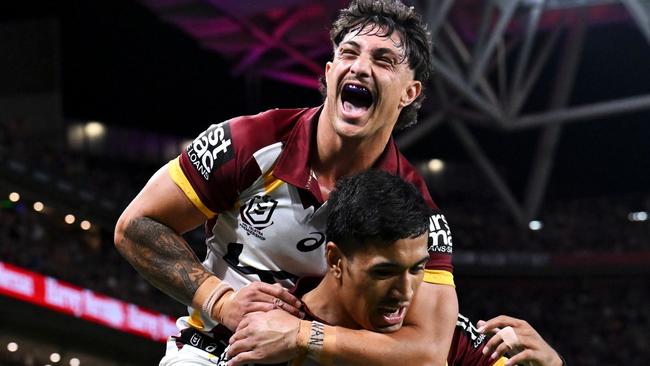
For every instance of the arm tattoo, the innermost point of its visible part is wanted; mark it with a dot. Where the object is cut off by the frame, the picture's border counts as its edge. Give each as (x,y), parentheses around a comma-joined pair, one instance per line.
(163,257)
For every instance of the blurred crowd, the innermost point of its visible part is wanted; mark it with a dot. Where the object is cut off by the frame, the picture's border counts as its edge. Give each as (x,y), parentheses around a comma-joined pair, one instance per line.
(579,224)
(591,320)
(600,320)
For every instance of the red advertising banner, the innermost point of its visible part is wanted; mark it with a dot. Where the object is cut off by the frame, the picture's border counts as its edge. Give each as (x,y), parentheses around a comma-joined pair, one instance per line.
(83,303)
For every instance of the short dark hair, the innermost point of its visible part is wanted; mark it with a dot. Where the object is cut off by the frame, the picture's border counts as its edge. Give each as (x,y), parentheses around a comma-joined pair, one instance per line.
(385,18)
(376,207)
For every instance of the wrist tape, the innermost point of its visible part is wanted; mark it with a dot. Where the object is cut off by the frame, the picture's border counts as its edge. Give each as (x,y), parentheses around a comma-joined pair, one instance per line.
(208,294)
(317,340)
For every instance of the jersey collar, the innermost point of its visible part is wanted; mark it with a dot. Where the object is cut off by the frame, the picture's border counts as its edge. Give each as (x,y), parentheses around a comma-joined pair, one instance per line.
(293,164)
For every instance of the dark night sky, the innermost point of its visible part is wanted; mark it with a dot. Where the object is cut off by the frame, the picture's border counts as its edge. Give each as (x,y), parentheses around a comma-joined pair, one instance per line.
(123,66)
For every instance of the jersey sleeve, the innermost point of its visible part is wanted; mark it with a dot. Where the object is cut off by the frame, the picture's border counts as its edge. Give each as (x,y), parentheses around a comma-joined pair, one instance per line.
(212,170)
(439,268)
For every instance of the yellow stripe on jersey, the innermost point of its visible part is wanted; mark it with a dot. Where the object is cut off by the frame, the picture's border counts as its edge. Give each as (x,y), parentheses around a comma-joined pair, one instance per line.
(195,320)
(271,183)
(177,175)
(500,362)
(439,277)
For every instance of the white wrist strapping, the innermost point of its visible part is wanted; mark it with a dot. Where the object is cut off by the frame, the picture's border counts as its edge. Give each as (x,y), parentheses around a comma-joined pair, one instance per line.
(214,296)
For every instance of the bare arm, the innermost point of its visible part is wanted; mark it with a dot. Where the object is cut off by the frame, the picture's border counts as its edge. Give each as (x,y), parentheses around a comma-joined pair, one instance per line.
(148,235)
(423,340)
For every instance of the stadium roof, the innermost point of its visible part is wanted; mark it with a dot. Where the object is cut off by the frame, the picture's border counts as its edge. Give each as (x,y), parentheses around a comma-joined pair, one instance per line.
(514,78)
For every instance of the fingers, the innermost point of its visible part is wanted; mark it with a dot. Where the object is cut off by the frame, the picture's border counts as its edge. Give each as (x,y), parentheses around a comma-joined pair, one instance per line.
(509,337)
(260,296)
(500,321)
(520,357)
(279,297)
(501,350)
(492,344)
(281,293)
(238,346)
(242,358)
(505,340)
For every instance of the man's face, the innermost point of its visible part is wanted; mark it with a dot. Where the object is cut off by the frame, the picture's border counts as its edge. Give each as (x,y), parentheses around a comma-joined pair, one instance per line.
(378,283)
(368,83)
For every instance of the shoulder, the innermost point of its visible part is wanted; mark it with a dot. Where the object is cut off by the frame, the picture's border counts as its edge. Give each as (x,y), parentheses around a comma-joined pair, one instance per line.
(266,127)
(410,174)
(264,133)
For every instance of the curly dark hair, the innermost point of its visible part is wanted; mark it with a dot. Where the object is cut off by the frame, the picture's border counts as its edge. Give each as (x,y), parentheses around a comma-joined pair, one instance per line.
(384,18)
(375,208)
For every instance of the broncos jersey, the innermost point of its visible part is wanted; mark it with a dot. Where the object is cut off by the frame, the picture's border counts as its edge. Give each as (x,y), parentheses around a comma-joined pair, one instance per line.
(266,217)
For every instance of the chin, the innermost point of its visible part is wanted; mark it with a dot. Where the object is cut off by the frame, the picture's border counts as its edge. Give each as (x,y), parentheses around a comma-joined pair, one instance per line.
(387,328)
(347,129)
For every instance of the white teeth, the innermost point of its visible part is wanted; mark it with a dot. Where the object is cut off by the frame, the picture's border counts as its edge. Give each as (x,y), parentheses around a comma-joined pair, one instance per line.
(357,87)
(392,312)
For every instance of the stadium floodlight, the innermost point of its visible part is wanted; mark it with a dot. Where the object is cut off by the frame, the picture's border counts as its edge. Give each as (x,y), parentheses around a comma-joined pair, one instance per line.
(70,219)
(12,346)
(95,130)
(85,225)
(535,225)
(436,165)
(38,206)
(55,357)
(638,216)
(75,361)
(14,196)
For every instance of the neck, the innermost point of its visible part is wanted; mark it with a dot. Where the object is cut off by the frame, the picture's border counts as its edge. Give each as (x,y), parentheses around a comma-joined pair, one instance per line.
(337,156)
(323,302)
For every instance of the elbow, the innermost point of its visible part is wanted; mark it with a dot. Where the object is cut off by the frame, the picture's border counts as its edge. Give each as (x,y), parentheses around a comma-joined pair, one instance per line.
(119,236)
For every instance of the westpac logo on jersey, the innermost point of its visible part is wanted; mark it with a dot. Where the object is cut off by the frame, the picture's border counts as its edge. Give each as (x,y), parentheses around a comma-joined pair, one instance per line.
(211,149)
(439,234)
(256,214)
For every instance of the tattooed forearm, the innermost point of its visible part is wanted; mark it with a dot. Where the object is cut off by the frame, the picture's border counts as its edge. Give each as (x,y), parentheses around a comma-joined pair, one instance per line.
(163,257)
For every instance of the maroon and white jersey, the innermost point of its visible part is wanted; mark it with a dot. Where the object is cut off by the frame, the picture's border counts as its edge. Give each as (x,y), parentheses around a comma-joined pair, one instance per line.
(251,177)
(467,346)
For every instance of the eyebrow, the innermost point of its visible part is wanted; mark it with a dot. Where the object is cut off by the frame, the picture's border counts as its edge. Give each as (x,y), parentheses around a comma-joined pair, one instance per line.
(376,52)
(384,50)
(351,43)
(391,265)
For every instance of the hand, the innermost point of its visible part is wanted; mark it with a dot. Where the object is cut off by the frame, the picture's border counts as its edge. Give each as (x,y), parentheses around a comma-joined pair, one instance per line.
(270,337)
(520,340)
(254,297)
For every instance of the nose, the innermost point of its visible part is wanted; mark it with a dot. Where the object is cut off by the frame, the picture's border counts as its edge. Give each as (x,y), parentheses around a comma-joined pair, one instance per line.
(403,287)
(361,67)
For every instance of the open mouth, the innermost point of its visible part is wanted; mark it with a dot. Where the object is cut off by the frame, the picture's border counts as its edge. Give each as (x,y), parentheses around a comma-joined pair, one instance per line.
(356,99)
(393,315)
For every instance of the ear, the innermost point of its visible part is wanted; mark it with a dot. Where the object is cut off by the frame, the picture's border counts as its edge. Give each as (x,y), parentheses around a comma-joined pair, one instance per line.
(328,67)
(333,257)
(411,92)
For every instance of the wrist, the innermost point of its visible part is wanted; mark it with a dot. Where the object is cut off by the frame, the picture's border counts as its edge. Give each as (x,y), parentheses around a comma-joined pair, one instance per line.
(316,341)
(218,312)
(210,297)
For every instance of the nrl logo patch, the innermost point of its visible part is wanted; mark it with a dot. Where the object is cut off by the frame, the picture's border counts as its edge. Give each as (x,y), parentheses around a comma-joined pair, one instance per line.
(256,215)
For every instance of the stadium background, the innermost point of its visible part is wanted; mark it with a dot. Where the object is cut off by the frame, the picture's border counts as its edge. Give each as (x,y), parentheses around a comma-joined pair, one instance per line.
(545,188)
